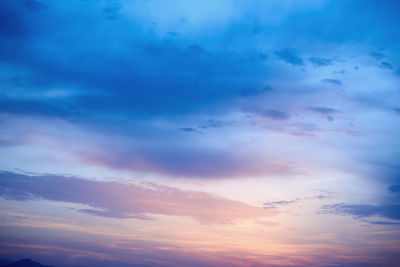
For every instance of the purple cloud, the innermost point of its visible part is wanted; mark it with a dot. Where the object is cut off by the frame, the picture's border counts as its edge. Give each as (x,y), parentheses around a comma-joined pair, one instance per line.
(118,200)
(321,110)
(273,114)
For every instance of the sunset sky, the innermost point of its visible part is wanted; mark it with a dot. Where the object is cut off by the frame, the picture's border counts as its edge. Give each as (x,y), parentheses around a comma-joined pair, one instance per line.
(200,133)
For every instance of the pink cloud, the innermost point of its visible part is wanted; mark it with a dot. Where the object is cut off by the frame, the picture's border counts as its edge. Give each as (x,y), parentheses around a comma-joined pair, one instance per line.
(119,200)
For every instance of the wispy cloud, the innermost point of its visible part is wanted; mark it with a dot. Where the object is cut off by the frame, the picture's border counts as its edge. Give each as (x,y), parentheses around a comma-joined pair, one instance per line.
(363,211)
(277,204)
(187,129)
(118,200)
(377,55)
(386,65)
(320,62)
(290,56)
(332,81)
(322,110)
(274,204)
(273,114)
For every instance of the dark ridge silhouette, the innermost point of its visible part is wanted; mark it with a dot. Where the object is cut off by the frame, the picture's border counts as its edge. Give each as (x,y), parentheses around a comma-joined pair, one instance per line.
(25,263)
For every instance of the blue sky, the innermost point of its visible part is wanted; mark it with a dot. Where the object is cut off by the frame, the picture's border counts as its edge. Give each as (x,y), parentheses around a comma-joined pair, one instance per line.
(284,112)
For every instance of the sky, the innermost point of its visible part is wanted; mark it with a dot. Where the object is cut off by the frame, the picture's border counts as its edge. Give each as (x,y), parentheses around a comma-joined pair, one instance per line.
(200,133)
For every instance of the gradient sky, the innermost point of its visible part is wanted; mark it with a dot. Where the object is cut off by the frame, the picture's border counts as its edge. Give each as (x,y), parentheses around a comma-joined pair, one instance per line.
(200,133)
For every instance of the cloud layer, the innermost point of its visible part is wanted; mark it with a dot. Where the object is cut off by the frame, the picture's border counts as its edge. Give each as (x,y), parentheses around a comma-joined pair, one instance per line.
(118,200)
(222,105)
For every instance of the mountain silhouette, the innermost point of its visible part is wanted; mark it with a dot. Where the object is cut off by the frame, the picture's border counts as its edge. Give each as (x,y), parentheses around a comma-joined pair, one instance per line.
(25,263)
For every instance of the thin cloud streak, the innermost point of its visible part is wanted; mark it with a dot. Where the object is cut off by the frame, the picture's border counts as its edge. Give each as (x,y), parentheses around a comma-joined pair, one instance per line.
(117,200)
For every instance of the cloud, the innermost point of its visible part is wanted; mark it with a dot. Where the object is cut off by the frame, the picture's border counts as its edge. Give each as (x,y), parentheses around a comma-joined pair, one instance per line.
(363,211)
(213,123)
(187,129)
(320,62)
(182,160)
(249,92)
(274,204)
(386,65)
(383,223)
(273,114)
(118,200)
(143,74)
(263,57)
(150,75)
(146,149)
(12,22)
(289,56)
(394,188)
(82,250)
(112,11)
(377,55)
(321,110)
(196,49)
(339,72)
(332,81)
